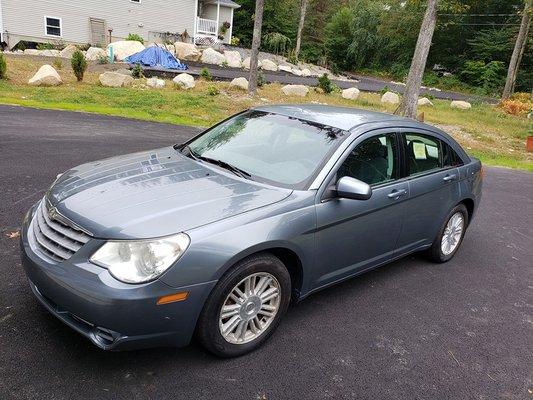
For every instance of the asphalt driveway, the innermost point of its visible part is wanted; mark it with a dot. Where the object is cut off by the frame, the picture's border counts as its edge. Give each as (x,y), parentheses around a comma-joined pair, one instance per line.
(410,330)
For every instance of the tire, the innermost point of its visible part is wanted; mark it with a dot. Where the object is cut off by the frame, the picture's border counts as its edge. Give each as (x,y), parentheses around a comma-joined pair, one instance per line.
(257,268)
(436,252)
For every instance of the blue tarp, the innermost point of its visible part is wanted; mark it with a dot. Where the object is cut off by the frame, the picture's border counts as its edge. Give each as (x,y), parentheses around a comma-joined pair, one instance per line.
(156,57)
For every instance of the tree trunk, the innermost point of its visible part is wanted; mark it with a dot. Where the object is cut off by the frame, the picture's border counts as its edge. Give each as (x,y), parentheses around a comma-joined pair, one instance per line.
(303,9)
(256,42)
(418,64)
(518,51)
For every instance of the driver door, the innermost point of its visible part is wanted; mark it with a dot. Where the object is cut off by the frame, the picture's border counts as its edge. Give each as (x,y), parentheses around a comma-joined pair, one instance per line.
(354,235)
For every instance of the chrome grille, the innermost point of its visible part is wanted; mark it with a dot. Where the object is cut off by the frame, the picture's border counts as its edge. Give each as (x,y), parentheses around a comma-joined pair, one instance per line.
(53,238)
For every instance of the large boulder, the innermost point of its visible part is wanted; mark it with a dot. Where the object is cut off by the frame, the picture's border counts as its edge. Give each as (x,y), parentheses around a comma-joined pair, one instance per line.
(306,72)
(187,51)
(68,51)
(390,98)
(269,65)
(95,53)
(246,63)
(296,71)
(32,52)
(233,59)
(461,105)
(49,53)
(155,83)
(211,56)
(46,76)
(285,68)
(240,83)
(350,94)
(295,90)
(184,81)
(125,48)
(424,101)
(114,79)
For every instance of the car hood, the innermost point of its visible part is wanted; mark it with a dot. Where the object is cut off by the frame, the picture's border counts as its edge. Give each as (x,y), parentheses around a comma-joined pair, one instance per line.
(153,193)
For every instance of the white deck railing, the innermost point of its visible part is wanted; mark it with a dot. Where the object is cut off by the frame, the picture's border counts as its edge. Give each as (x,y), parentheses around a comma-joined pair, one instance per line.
(206,26)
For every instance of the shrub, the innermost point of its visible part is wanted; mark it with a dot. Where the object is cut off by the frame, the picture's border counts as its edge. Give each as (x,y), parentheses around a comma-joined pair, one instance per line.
(102,59)
(325,84)
(384,90)
(235,41)
(489,76)
(261,81)
(45,46)
(224,64)
(84,47)
(205,74)
(212,90)
(135,37)
(79,64)
(58,64)
(276,42)
(137,71)
(3,67)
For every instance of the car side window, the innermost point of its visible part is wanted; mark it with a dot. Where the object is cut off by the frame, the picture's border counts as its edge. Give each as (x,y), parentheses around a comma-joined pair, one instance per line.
(450,157)
(424,153)
(374,161)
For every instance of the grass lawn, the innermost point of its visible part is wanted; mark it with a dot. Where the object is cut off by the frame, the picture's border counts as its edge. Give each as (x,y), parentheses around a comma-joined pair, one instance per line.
(485,131)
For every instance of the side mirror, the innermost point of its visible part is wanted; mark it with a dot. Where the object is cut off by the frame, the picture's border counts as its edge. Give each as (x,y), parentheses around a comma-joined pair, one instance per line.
(351,188)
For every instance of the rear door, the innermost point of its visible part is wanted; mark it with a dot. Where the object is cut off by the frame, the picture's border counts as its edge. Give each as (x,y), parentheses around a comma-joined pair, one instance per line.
(433,178)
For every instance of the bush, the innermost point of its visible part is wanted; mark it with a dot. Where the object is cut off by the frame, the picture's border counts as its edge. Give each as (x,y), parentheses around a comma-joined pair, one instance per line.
(276,42)
(489,76)
(235,41)
(137,71)
(261,81)
(102,59)
(45,46)
(325,84)
(135,37)
(58,64)
(79,64)
(212,90)
(205,74)
(3,67)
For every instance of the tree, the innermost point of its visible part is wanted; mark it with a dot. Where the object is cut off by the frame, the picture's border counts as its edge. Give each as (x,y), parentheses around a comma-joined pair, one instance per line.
(256,42)
(418,64)
(518,51)
(303,9)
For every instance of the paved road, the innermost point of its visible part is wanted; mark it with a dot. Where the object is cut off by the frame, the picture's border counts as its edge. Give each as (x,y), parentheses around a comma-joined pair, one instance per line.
(410,330)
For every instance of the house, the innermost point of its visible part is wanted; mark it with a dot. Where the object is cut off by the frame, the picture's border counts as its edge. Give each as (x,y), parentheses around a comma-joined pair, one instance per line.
(100,21)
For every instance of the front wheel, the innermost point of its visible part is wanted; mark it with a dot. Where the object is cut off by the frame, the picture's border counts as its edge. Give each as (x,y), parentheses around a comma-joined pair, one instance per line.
(245,307)
(450,235)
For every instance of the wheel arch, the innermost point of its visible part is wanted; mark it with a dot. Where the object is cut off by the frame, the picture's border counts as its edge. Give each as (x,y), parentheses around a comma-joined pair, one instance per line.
(470,205)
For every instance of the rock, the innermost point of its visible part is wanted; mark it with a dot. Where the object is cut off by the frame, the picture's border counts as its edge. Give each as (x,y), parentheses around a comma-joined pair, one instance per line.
(296,71)
(391,98)
(306,72)
(123,71)
(46,76)
(184,81)
(187,51)
(462,105)
(125,48)
(351,93)
(49,53)
(241,83)
(233,58)
(95,53)
(269,65)
(211,56)
(246,63)
(32,52)
(285,68)
(424,101)
(155,83)
(114,79)
(68,51)
(295,90)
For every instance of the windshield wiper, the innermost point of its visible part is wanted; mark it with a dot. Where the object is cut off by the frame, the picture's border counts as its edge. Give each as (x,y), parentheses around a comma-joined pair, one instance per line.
(226,165)
(187,151)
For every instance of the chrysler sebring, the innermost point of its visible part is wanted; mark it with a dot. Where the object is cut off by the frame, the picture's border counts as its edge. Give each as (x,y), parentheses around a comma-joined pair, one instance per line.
(213,238)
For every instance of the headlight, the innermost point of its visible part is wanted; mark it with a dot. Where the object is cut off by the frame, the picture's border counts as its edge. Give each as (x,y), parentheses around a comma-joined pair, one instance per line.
(140,261)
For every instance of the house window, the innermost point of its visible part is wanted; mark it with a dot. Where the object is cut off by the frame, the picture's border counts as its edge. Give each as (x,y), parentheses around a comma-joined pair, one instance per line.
(52,26)
(135,1)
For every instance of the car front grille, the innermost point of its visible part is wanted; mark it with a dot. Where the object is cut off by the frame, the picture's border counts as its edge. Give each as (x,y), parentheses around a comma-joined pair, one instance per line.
(55,239)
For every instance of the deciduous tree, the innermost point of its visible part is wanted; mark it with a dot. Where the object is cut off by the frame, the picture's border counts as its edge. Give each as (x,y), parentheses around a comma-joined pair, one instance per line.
(256,42)
(303,10)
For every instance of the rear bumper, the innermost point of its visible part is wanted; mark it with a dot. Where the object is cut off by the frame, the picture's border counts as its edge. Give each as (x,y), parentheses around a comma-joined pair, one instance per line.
(111,314)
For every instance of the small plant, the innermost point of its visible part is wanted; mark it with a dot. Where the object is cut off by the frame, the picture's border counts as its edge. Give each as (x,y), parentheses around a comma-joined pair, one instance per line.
(3,67)
(205,74)
(223,30)
(261,81)
(79,65)
(212,90)
(137,72)
(224,64)
(235,41)
(45,46)
(102,59)
(325,84)
(384,90)
(84,47)
(57,64)
(135,37)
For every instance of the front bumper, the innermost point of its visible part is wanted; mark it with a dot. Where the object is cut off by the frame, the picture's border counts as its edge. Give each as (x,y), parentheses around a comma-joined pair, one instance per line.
(112,314)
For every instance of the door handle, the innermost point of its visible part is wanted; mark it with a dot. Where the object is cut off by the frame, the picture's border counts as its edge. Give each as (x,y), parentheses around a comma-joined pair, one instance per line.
(449,177)
(396,194)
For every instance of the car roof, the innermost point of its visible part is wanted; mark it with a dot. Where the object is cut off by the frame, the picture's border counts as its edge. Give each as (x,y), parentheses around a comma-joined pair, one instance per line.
(345,118)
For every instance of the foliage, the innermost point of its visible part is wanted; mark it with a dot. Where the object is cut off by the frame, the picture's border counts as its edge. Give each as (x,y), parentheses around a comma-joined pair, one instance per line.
(261,81)
(205,74)
(137,72)
(235,41)
(79,65)
(518,104)
(223,29)
(212,90)
(325,84)
(84,47)
(136,37)
(45,46)
(490,76)
(102,59)
(276,42)
(3,67)
(57,64)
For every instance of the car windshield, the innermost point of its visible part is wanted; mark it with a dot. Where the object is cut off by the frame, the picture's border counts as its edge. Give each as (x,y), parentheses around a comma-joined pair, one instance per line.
(273,148)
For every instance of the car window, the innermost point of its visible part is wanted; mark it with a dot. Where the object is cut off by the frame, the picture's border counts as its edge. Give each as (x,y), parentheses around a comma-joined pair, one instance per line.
(374,161)
(424,153)
(450,157)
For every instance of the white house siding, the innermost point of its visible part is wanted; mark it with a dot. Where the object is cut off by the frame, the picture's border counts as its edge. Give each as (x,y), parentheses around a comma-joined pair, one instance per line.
(210,12)
(24,19)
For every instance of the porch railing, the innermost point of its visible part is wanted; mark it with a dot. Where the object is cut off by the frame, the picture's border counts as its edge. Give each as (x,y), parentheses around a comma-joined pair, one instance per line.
(206,26)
